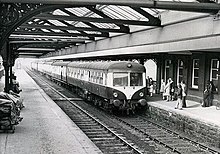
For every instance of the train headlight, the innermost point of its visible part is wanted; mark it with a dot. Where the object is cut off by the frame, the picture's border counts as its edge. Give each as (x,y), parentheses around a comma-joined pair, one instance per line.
(115,94)
(129,65)
(141,94)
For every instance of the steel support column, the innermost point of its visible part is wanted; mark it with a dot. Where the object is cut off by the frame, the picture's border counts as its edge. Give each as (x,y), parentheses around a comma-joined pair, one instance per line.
(5,55)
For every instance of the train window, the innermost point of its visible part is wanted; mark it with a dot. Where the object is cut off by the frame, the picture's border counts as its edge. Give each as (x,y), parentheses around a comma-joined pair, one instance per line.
(89,76)
(101,78)
(106,76)
(75,73)
(96,77)
(136,79)
(120,79)
(93,77)
(78,74)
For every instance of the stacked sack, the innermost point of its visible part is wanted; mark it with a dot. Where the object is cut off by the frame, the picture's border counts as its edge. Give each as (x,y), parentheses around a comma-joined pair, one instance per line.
(10,106)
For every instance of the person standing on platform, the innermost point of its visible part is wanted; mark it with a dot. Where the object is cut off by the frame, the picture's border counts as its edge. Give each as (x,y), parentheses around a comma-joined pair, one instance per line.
(206,96)
(184,93)
(167,89)
(179,97)
(211,89)
(162,88)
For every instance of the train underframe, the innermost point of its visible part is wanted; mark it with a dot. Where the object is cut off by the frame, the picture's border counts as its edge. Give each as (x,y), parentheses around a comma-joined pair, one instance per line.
(111,105)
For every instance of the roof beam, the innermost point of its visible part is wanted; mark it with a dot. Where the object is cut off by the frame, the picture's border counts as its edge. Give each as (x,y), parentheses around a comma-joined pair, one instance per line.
(36,49)
(33,51)
(181,6)
(48,45)
(59,34)
(97,20)
(75,28)
(43,37)
(46,42)
(31,54)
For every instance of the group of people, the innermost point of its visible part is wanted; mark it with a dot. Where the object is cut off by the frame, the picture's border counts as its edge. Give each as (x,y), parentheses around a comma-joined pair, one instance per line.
(169,92)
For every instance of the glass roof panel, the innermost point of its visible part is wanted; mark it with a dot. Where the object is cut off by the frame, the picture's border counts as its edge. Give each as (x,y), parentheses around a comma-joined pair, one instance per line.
(73,31)
(122,12)
(151,11)
(57,23)
(78,24)
(105,25)
(92,32)
(35,20)
(57,31)
(81,11)
(59,12)
(45,30)
(94,15)
(46,24)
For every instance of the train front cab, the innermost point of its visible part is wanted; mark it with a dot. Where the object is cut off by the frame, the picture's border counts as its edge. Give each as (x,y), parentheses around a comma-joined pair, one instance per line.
(128,89)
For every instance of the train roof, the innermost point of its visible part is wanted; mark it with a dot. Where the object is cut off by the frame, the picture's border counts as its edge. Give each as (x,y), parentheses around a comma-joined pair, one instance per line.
(61,63)
(109,65)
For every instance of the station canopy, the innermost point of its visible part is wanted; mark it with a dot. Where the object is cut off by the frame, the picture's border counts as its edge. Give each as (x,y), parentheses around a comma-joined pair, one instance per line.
(71,25)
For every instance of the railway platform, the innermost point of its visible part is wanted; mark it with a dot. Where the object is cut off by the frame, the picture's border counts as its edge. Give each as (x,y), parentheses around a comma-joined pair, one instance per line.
(209,115)
(197,122)
(45,127)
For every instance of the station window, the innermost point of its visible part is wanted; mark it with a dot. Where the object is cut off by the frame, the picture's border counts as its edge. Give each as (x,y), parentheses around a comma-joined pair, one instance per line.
(214,69)
(195,73)
(180,71)
(167,68)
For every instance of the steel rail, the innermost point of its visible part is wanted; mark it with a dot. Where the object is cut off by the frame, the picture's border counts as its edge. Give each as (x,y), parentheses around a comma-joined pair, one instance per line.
(134,150)
(149,136)
(204,147)
(169,131)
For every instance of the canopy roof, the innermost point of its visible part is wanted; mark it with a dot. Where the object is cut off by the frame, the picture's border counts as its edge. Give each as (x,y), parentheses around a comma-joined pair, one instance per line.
(72,25)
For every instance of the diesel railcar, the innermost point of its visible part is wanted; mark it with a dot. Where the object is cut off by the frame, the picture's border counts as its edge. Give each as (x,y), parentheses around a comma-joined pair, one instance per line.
(119,85)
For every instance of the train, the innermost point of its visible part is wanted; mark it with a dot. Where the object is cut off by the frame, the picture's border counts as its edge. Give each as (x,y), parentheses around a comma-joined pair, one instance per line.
(113,85)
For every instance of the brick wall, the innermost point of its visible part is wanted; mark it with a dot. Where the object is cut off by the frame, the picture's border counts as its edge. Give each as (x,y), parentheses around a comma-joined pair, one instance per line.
(197,130)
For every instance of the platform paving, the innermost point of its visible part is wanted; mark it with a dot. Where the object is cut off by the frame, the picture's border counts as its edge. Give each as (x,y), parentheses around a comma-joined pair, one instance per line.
(45,129)
(209,115)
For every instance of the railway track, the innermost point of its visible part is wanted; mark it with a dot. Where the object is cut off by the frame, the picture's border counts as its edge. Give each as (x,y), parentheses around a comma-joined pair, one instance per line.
(112,137)
(165,137)
(106,139)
